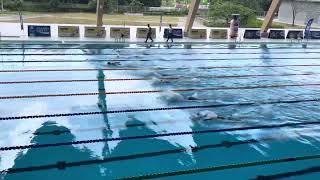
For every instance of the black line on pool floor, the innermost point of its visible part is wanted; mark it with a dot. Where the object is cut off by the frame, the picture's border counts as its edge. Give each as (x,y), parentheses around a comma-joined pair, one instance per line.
(142,124)
(28,117)
(167,78)
(291,174)
(115,127)
(271,126)
(159,68)
(225,167)
(58,165)
(157,91)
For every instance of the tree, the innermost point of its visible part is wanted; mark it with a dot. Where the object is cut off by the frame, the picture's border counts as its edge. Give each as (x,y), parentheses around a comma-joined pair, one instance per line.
(136,5)
(255,5)
(92,4)
(2,9)
(295,10)
(18,4)
(148,3)
(109,5)
(223,11)
(298,6)
(265,4)
(151,3)
(53,4)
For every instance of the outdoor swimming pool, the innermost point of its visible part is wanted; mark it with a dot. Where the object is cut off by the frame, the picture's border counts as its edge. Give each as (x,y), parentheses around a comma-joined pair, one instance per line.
(94,111)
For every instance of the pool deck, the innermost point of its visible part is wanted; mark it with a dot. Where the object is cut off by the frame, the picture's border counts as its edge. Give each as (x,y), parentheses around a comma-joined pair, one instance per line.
(11,32)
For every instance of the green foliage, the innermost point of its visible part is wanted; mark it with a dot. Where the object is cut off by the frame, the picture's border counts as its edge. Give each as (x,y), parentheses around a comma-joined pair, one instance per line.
(92,4)
(222,11)
(251,23)
(151,3)
(265,4)
(136,3)
(148,3)
(168,3)
(110,5)
(17,4)
(257,23)
(14,5)
(53,4)
(255,5)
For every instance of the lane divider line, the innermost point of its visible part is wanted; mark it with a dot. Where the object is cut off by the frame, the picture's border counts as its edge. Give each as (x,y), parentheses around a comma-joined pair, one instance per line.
(64,165)
(156,91)
(140,79)
(28,117)
(224,167)
(151,54)
(146,60)
(272,126)
(160,68)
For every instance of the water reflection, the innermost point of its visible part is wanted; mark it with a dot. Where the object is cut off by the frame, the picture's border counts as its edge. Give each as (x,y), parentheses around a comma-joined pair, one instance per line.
(52,155)
(134,167)
(102,104)
(266,55)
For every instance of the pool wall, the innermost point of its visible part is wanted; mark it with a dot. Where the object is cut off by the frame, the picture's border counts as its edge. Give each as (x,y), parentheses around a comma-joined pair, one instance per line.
(12,32)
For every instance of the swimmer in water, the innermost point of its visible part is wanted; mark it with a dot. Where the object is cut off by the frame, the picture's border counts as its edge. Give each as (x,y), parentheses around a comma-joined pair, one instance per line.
(206,116)
(158,81)
(114,63)
(194,97)
(172,97)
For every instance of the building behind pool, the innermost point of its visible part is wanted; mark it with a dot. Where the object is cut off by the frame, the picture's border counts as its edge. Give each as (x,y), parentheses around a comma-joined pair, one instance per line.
(305,9)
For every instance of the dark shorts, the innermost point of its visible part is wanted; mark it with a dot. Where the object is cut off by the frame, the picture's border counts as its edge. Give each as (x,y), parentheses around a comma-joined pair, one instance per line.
(170,35)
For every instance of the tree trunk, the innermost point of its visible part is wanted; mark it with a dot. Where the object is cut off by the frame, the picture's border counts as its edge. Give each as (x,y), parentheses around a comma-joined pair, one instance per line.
(2,9)
(293,19)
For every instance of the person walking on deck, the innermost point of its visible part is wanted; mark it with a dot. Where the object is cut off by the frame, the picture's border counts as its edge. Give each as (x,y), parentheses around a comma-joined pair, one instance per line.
(149,34)
(170,33)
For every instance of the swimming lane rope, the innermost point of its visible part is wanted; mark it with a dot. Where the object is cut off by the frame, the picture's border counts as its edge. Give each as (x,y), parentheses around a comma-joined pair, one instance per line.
(140,79)
(151,54)
(160,68)
(156,91)
(271,126)
(154,109)
(63,165)
(146,60)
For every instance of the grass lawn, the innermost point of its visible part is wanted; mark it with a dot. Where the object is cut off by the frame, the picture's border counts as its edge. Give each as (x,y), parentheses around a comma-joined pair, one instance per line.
(12,13)
(288,26)
(90,18)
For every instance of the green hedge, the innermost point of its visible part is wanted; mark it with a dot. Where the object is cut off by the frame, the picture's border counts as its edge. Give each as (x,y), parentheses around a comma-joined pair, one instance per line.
(251,23)
(169,13)
(257,23)
(45,7)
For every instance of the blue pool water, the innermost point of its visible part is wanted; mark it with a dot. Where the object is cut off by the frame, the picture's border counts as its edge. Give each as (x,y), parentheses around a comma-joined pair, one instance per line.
(92,111)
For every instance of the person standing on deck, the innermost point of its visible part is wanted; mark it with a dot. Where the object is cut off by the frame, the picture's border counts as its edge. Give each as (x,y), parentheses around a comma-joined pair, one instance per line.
(149,34)
(234,26)
(170,33)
